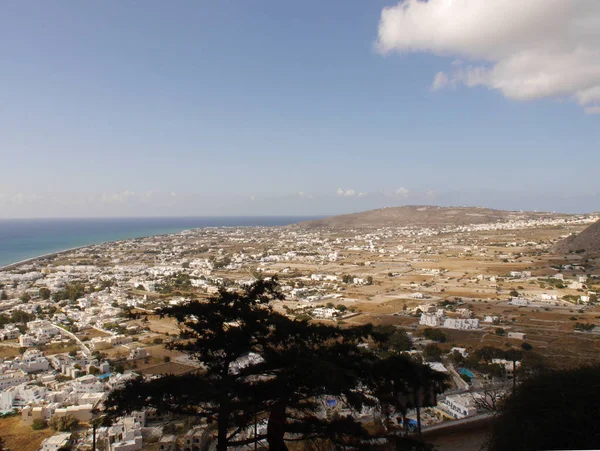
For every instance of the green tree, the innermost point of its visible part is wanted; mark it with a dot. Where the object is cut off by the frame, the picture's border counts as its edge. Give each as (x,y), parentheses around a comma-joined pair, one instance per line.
(25,297)
(562,399)
(21,317)
(219,332)
(44,293)
(432,353)
(295,363)
(4,320)
(38,424)
(526,346)
(66,423)
(435,335)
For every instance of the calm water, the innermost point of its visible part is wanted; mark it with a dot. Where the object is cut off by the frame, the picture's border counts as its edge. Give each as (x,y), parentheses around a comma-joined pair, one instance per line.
(21,239)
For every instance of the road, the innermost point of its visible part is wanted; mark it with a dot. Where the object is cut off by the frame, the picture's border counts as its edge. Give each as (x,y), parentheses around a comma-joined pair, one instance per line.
(84,348)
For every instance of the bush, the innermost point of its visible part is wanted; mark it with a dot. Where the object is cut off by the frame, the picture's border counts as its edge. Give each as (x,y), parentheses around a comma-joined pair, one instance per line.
(166,359)
(38,424)
(435,335)
(68,423)
(432,353)
(526,346)
(157,341)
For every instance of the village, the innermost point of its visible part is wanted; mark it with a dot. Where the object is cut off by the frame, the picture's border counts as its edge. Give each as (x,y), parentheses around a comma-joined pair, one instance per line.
(76,325)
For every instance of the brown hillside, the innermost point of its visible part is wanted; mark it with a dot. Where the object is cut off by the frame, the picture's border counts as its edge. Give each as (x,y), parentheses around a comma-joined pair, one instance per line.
(587,240)
(423,215)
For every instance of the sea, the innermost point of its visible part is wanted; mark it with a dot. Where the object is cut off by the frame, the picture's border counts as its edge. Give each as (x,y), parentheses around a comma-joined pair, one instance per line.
(21,239)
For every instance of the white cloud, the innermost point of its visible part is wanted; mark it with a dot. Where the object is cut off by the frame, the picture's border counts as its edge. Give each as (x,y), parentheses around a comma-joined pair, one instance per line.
(402,192)
(122,196)
(440,81)
(304,195)
(526,49)
(592,110)
(346,193)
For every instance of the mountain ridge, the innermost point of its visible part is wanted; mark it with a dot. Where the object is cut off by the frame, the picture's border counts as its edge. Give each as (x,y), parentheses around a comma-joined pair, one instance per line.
(424,215)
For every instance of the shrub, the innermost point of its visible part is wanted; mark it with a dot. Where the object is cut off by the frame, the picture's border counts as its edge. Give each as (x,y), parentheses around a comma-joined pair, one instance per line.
(67,423)
(435,335)
(38,424)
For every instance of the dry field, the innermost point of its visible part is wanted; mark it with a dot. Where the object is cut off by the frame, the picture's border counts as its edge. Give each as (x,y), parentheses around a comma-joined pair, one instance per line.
(19,437)
(167,368)
(8,352)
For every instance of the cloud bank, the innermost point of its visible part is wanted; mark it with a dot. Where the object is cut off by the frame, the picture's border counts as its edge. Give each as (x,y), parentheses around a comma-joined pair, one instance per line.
(526,49)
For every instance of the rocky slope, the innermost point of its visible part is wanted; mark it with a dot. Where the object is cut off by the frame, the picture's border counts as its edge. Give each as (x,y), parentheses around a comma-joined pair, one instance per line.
(588,240)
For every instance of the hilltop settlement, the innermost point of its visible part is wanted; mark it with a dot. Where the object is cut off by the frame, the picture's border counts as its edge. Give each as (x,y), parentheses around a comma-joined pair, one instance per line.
(464,285)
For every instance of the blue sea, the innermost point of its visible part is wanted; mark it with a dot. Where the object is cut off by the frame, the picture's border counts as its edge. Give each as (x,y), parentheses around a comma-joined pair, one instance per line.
(21,239)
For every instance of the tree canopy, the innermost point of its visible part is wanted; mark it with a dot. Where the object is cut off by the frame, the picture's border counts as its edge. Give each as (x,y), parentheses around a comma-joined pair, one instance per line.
(257,362)
(552,410)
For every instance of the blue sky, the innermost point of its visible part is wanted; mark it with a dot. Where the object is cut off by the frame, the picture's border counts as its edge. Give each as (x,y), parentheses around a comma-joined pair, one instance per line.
(270,107)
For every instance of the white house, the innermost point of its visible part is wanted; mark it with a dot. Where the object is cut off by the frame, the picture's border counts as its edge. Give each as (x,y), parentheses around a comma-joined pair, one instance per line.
(431,320)
(461,323)
(459,406)
(56,442)
(327,313)
(490,319)
(519,302)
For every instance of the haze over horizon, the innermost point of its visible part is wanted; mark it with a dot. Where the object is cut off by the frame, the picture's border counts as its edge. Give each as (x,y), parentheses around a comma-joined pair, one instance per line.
(272,108)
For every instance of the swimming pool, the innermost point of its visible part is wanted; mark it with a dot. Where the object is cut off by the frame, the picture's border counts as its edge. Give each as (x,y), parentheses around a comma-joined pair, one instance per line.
(466,372)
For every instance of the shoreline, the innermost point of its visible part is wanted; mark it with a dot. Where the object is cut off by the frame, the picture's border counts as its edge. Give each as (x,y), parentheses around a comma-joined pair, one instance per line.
(186,227)
(71,249)
(39,257)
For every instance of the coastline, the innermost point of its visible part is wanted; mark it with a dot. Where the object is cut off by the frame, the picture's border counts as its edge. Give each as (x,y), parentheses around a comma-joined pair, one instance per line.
(190,223)
(64,251)
(39,257)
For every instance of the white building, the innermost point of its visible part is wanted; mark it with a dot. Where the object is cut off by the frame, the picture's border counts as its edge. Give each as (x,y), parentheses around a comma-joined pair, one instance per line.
(56,442)
(519,302)
(9,332)
(138,353)
(490,319)
(459,406)
(12,378)
(326,313)
(431,320)
(126,435)
(461,323)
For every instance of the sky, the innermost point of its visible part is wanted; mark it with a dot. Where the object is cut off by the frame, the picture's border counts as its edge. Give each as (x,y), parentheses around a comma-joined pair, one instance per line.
(272,107)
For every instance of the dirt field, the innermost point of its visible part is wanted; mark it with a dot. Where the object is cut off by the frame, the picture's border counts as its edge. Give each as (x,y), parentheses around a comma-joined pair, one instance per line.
(19,437)
(8,352)
(167,368)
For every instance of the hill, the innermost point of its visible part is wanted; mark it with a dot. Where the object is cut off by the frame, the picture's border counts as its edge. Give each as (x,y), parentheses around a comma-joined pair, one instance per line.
(423,215)
(588,240)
